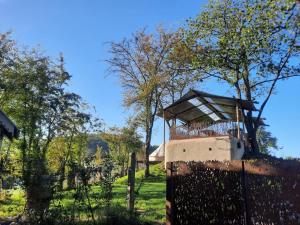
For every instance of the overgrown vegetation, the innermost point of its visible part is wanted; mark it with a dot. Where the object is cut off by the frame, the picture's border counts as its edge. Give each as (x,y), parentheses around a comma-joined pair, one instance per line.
(150,199)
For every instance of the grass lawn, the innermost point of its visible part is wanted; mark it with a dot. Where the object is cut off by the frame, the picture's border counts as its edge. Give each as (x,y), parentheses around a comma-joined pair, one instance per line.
(150,199)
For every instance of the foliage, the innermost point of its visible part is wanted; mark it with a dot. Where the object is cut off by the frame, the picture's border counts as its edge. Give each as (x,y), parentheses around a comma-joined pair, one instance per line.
(10,168)
(13,202)
(122,141)
(249,45)
(117,150)
(145,69)
(33,93)
(266,141)
(34,97)
(130,138)
(150,199)
(107,179)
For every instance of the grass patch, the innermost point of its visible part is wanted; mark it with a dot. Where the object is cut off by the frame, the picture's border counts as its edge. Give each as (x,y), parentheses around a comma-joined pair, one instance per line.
(151,193)
(12,202)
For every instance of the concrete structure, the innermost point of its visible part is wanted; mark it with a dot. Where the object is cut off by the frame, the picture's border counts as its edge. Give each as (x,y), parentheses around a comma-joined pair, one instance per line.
(205,127)
(7,127)
(203,149)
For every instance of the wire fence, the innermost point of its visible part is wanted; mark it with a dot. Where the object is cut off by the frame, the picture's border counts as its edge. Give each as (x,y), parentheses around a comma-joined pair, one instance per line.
(203,129)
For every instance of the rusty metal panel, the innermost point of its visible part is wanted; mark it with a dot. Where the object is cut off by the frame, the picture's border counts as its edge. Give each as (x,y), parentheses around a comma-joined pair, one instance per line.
(259,192)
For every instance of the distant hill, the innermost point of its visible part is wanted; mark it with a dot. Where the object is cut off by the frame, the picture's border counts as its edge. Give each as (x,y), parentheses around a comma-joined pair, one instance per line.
(94,141)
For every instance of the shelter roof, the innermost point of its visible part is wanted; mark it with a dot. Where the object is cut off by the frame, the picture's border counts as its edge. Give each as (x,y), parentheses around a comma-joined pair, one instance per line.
(7,127)
(200,106)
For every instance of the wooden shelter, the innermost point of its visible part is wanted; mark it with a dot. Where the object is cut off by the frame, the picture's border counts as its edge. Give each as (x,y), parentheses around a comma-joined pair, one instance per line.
(7,127)
(203,124)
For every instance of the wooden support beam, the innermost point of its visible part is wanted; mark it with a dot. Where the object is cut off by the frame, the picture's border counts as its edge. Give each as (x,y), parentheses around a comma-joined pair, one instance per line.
(164,137)
(238,122)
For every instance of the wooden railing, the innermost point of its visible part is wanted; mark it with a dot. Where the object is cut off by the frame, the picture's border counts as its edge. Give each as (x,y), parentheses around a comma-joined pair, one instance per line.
(197,130)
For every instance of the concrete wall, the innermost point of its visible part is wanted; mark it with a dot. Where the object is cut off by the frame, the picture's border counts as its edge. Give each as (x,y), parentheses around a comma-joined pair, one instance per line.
(203,149)
(237,149)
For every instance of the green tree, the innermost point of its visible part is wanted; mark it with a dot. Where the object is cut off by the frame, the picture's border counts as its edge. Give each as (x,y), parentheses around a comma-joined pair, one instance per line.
(117,150)
(145,69)
(124,143)
(56,158)
(33,94)
(75,128)
(249,45)
(107,178)
(7,46)
(7,159)
(69,149)
(9,163)
(266,141)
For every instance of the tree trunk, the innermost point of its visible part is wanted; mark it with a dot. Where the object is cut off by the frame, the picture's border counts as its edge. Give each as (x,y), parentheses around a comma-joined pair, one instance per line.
(121,171)
(253,141)
(39,194)
(61,177)
(1,183)
(131,182)
(71,179)
(38,191)
(249,122)
(251,133)
(149,126)
(147,153)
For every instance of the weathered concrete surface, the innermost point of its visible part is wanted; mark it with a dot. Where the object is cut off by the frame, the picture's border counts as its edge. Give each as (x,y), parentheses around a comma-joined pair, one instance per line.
(237,148)
(204,149)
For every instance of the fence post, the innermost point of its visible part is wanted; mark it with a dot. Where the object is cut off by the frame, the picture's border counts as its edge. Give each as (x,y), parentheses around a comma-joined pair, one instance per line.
(170,195)
(245,196)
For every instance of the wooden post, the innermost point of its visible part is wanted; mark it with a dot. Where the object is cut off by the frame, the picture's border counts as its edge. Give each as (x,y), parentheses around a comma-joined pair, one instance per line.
(1,139)
(170,195)
(245,197)
(238,122)
(131,182)
(244,129)
(164,147)
(243,126)
(173,207)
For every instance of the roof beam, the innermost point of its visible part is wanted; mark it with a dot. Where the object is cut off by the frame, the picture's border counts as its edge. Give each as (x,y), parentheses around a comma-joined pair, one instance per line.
(212,108)
(231,119)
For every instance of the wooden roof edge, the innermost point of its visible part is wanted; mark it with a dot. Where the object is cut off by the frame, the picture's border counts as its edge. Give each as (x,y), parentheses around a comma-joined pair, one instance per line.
(184,98)
(15,133)
(205,94)
(192,93)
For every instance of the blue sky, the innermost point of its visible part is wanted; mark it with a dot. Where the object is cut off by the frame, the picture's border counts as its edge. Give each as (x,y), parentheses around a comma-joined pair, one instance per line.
(80,30)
